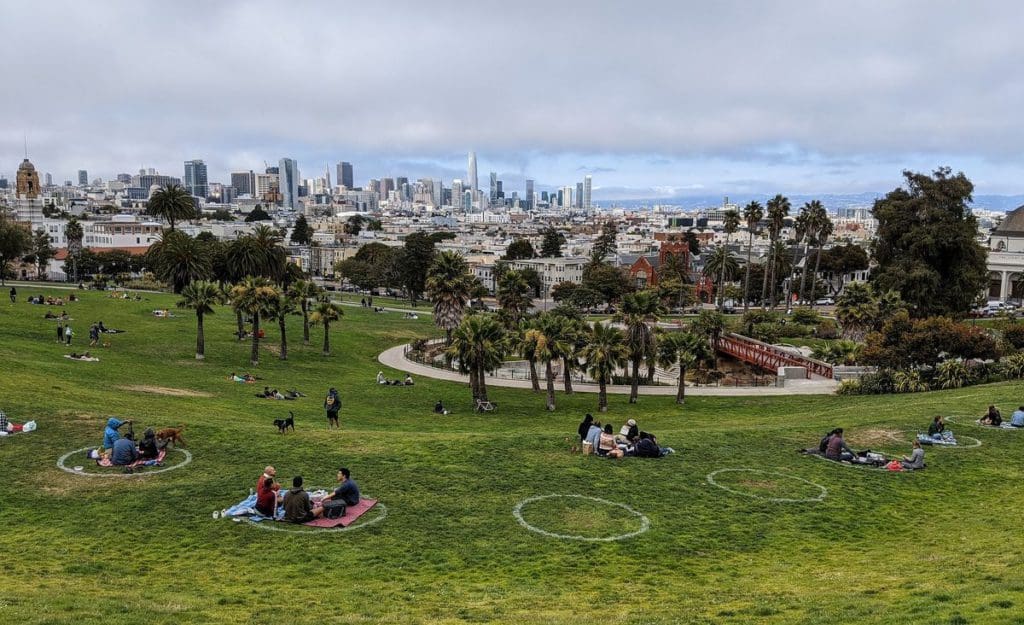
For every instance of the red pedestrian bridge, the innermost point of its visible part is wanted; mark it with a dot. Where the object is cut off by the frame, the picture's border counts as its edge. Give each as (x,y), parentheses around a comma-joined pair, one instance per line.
(769,357)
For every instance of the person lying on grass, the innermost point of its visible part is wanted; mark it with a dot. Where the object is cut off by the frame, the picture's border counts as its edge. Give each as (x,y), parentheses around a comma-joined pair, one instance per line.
(916,459)
(993,417)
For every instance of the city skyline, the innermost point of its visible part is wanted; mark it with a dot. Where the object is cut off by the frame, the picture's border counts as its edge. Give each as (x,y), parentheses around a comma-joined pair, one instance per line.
(795,98)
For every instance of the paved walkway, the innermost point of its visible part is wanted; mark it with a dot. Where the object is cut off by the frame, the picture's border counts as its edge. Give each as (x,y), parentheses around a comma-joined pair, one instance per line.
(395,358)
(415,311)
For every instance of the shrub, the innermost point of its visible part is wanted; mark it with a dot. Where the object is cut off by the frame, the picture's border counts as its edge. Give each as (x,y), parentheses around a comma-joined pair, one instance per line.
(952,374)
(1013,366)
(796,330)
(908,382)
(879,383)
(849,387)
(805,316)
(767,332)
(1014,335)
(755,317)
(826,329)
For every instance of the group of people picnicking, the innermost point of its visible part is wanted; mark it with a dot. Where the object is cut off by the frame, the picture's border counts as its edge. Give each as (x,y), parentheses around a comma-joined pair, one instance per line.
(122,450)
(630,440)
(273,393)
(995,419)
(833,447)
(297,504)
(381,379)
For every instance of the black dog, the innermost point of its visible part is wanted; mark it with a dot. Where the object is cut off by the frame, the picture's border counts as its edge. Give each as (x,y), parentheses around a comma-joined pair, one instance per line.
(284,424)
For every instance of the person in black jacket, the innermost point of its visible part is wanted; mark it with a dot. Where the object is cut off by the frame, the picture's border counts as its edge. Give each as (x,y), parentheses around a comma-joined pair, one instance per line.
(585,426)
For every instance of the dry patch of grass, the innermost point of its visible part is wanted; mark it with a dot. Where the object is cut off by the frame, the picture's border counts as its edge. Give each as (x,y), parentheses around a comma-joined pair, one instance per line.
(875,437)
(163,390)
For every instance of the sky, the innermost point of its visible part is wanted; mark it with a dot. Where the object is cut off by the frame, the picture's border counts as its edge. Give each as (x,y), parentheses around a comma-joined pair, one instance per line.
(654,99)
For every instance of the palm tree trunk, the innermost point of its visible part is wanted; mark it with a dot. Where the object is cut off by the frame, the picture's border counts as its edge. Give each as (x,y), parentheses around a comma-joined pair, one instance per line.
(473,386)
(200,339)
(817,263)
(305,321)
(721,286)
(635,382)
(567,375)
(254,358)
(550,374)
(241,326)
(481,383)
(681,392)
(327,338)
(602,395)
(650,373)
(803,276)
(771,279)
(284,339)
(534,378)
(764,283)
(792,278)
(746,281)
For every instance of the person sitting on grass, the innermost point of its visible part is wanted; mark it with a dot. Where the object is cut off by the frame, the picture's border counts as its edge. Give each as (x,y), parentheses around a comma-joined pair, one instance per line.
(584,427)
(594,435)
(297,506)
(628,433)
(148,447)
(606,441)
(837,449)
(916,459)
(110,433)
(380,378)
(993,417)
(936,427)
(823,443)
(439,408)
(1017,418)
(408,380)
(346,494)
(124,451)
(267,492)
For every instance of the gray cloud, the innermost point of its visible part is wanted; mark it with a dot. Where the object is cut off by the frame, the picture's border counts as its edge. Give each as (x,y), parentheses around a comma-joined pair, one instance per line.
(113,86)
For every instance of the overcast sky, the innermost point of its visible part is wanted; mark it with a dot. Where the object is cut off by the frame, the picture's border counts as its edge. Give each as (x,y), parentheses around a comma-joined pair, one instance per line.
(651,98)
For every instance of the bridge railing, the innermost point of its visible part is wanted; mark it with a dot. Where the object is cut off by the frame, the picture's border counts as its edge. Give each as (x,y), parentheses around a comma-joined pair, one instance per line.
(769,356)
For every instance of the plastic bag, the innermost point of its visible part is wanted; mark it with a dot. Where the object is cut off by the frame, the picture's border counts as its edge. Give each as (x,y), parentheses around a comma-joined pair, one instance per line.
(29,427)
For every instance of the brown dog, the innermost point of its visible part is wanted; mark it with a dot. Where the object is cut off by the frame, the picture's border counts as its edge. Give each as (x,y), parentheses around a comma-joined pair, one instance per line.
(172,436)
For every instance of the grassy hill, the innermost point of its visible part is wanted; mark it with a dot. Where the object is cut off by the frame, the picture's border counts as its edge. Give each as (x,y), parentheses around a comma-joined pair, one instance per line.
(938,546)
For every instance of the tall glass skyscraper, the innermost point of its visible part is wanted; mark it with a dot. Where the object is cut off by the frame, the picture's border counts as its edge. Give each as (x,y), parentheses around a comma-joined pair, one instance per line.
(289,180)
(344,172)
(471,179)
(587,183)
(195,178)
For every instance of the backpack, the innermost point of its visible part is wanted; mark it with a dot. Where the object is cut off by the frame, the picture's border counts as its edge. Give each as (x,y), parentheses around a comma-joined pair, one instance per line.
(334,509)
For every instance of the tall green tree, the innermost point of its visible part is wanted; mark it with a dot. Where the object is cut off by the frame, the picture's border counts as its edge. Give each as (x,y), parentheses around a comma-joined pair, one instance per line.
(721,266)
(551,347)
(326,313)
(15,242)
(279,308)
(529,338)
(926,246)
(778,210)
(730,224)
(639,311)
(178,259)
(42,250)
(605,246)
(73,234)
(201,296)
(414,261)
(257,214)
(803,231)
(305,292)
(752,215)
(449,284)
(823,229)
(605,353)
(519,249)
(302,233)
(514,296)
(479,345)
(682,349)
(551,243)
(172,203)
(254,296)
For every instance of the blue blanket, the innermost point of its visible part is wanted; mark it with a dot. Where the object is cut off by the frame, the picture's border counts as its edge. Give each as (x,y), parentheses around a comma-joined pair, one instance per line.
(247,508)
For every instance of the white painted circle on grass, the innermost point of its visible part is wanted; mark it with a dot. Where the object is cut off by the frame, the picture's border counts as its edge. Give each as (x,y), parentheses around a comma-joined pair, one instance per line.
(976,442)
(863,467)
(517,512)
(287,528)
(971,421)
(821,495)
(147,471)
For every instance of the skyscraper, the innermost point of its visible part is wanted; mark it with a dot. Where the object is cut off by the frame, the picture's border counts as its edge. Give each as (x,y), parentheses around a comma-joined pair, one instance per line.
(387,185)
(587,183)
(83,177)
(494,187)
(566,197)
(344,177)
(471,174)
(579,195)
(243,182)
(530,201)
(195,178)
(289,171)
(457,193)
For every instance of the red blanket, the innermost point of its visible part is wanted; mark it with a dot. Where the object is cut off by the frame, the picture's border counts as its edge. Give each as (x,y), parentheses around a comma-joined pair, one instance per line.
(351,514)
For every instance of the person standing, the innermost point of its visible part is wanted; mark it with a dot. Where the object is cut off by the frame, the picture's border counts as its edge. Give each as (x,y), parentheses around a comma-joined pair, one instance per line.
(60,332)
(14,294)
(94,335)
(332,404)
(68,334)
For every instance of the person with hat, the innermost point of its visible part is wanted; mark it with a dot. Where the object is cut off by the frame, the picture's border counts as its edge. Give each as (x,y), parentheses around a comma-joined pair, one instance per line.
(628,433)
(266,492)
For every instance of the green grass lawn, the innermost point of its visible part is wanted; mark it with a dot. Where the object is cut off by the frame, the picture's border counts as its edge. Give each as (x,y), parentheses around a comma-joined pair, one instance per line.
(938,546)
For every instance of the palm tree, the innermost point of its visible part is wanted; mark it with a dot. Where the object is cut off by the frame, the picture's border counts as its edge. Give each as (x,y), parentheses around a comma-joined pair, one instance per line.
(279,308)
(604,353)
(551,346)
(802,227)
(856,309)
(638,310)
(173,203)
(731,223)
(253,296)
(778,209)
(201,296)
(449,285)
(812,210)
(326,313)
(305,291)
(179,259)
(684,349)
(571,333)
(822,233)
(710,324)
(479,344)
(74,234)
(514,296)
(752,214)
(530,336)
(721,265)
(258,254)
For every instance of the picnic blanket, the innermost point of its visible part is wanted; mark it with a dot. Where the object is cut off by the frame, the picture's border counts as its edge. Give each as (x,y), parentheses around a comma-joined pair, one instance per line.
(946,438)
(90,359)
(151,462)
(247,508)
(1005,425)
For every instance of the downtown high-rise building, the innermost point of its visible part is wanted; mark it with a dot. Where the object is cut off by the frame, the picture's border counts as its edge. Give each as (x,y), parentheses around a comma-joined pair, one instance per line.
(456,193)
(288,172)
(587,184)
(83,177)
(471,179)
(195,178)
(530,201)
(344,175)
(579,195)
(387,185)
(565,200)
(243,182)
(493,196)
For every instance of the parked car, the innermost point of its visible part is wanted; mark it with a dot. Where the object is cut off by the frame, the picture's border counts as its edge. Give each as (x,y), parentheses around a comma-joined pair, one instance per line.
(824,301)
